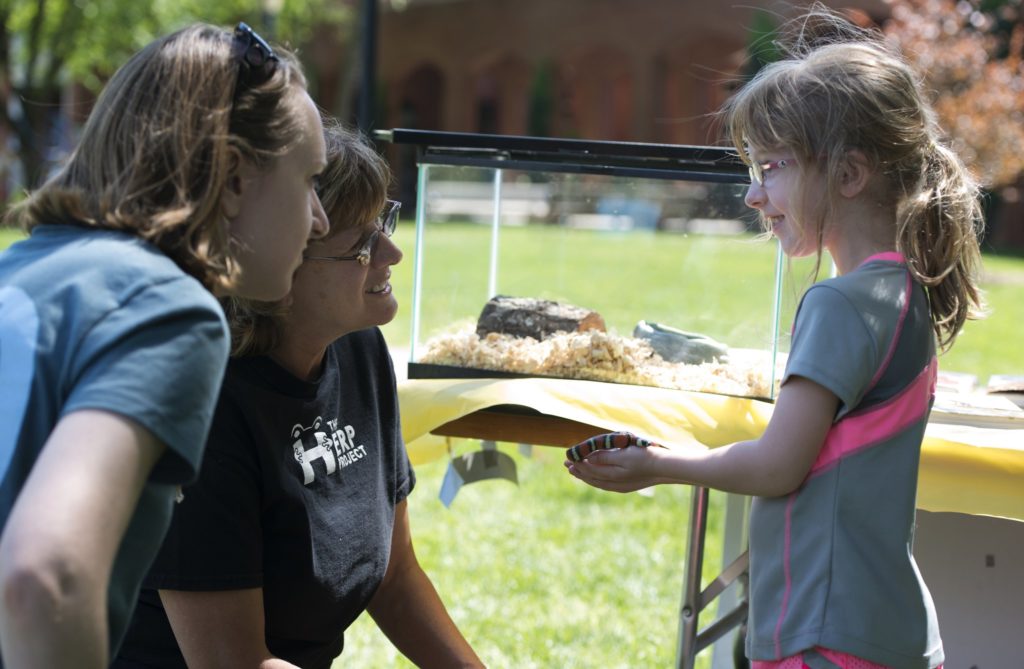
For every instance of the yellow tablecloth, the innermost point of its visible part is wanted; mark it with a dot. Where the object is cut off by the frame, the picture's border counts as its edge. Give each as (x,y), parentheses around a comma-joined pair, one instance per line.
(975,470)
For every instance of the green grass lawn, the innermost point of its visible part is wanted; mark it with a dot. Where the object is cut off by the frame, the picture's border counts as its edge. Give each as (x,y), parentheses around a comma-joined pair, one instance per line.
(692,282)
(8,236)
(551,573)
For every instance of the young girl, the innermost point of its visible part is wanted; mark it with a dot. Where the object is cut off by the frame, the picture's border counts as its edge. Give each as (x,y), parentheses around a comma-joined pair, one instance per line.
(195,175)
(845,156)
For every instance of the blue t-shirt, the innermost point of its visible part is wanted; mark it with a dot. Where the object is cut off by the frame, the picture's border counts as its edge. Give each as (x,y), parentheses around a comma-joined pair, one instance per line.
(96,319)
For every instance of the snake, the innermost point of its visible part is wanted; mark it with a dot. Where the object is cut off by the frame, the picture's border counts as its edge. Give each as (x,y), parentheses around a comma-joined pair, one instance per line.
(608,441)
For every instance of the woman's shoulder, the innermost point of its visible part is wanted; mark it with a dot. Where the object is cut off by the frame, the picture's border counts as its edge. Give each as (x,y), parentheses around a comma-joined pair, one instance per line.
(365,354)
(124,251)
(101,272)
(114,254)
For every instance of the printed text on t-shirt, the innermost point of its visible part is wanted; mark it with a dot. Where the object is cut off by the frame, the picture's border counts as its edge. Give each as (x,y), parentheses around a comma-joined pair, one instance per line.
(336,447)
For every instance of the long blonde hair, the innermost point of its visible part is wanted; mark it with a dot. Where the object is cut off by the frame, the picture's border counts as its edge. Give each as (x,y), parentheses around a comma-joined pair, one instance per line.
(353,189)
(843,88)
(157,149)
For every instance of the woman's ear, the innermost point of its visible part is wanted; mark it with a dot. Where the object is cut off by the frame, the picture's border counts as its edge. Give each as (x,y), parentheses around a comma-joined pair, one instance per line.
(233,192)
(855,173)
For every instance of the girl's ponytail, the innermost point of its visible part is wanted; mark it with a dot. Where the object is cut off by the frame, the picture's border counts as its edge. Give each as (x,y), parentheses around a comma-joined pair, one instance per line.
(938,229)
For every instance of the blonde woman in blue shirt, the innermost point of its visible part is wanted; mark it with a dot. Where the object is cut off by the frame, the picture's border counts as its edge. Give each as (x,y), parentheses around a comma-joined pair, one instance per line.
(194,177)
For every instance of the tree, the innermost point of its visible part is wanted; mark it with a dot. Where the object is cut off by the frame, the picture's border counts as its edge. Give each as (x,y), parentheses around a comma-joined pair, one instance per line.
(762,43)
(970,53)
(542,101)
(48,45)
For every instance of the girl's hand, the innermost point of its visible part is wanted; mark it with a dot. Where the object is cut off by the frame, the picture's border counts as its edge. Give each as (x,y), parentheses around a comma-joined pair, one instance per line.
(618,461)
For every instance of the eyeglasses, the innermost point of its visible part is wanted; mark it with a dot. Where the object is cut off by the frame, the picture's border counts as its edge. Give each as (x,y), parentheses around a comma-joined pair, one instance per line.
(386,223)
(257,60)
(759,171)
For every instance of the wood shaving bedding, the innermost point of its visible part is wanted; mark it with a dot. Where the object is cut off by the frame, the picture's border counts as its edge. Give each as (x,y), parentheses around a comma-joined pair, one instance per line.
(597,356)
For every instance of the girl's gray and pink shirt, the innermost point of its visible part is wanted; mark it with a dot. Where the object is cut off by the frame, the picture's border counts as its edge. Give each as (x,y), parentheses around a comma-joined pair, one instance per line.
(831,564)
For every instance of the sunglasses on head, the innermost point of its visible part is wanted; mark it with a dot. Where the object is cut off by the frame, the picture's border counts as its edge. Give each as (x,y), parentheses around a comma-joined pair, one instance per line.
(257,61)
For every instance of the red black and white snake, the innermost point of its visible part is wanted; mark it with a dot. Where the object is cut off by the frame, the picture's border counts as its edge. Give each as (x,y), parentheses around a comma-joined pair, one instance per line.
(607,442)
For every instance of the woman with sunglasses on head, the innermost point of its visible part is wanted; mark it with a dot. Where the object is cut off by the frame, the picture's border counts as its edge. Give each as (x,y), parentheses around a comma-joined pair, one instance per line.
(299,520)
(194,178)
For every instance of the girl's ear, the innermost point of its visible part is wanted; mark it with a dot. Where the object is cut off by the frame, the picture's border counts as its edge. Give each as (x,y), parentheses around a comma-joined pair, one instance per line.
(235,185)
(855,174)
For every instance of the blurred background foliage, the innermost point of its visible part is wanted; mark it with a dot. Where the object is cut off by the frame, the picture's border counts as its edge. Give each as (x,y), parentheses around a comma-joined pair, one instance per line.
(48,45)
(970,55)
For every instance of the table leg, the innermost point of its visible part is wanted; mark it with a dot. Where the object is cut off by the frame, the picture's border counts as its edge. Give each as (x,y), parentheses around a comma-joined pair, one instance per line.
(692,640)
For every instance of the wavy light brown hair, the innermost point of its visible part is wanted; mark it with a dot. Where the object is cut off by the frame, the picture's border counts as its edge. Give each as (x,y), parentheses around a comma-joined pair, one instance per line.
(843,88)
(353,189)
(159,147)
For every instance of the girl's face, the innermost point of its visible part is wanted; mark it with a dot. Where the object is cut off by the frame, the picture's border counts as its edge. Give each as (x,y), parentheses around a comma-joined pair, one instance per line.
(774,195)
(279,211)
(336,297)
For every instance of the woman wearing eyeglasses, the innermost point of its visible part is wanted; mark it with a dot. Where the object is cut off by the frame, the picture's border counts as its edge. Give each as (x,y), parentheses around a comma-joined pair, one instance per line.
(298,522)
(194,177)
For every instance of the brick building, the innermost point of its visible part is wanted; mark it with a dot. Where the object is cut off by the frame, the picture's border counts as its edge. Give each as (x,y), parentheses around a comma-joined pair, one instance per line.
(622,70)
(640,70)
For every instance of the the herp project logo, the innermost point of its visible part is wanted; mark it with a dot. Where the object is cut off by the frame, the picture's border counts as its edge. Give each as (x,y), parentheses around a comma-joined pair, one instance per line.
(335,446)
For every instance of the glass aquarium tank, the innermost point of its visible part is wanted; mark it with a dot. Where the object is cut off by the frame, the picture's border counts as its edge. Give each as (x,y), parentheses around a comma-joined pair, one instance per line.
(607,261)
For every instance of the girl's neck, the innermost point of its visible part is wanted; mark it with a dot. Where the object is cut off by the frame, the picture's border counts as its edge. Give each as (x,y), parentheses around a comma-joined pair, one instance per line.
(860,234)
(849,259)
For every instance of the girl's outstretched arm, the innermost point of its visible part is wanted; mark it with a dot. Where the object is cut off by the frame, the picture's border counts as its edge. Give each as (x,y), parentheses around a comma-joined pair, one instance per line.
(772,465)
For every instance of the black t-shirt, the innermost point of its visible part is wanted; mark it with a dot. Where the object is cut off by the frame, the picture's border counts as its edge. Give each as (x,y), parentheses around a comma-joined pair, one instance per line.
(296,495)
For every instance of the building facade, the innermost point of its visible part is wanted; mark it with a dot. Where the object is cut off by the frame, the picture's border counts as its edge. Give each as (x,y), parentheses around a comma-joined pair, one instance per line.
(624,70)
